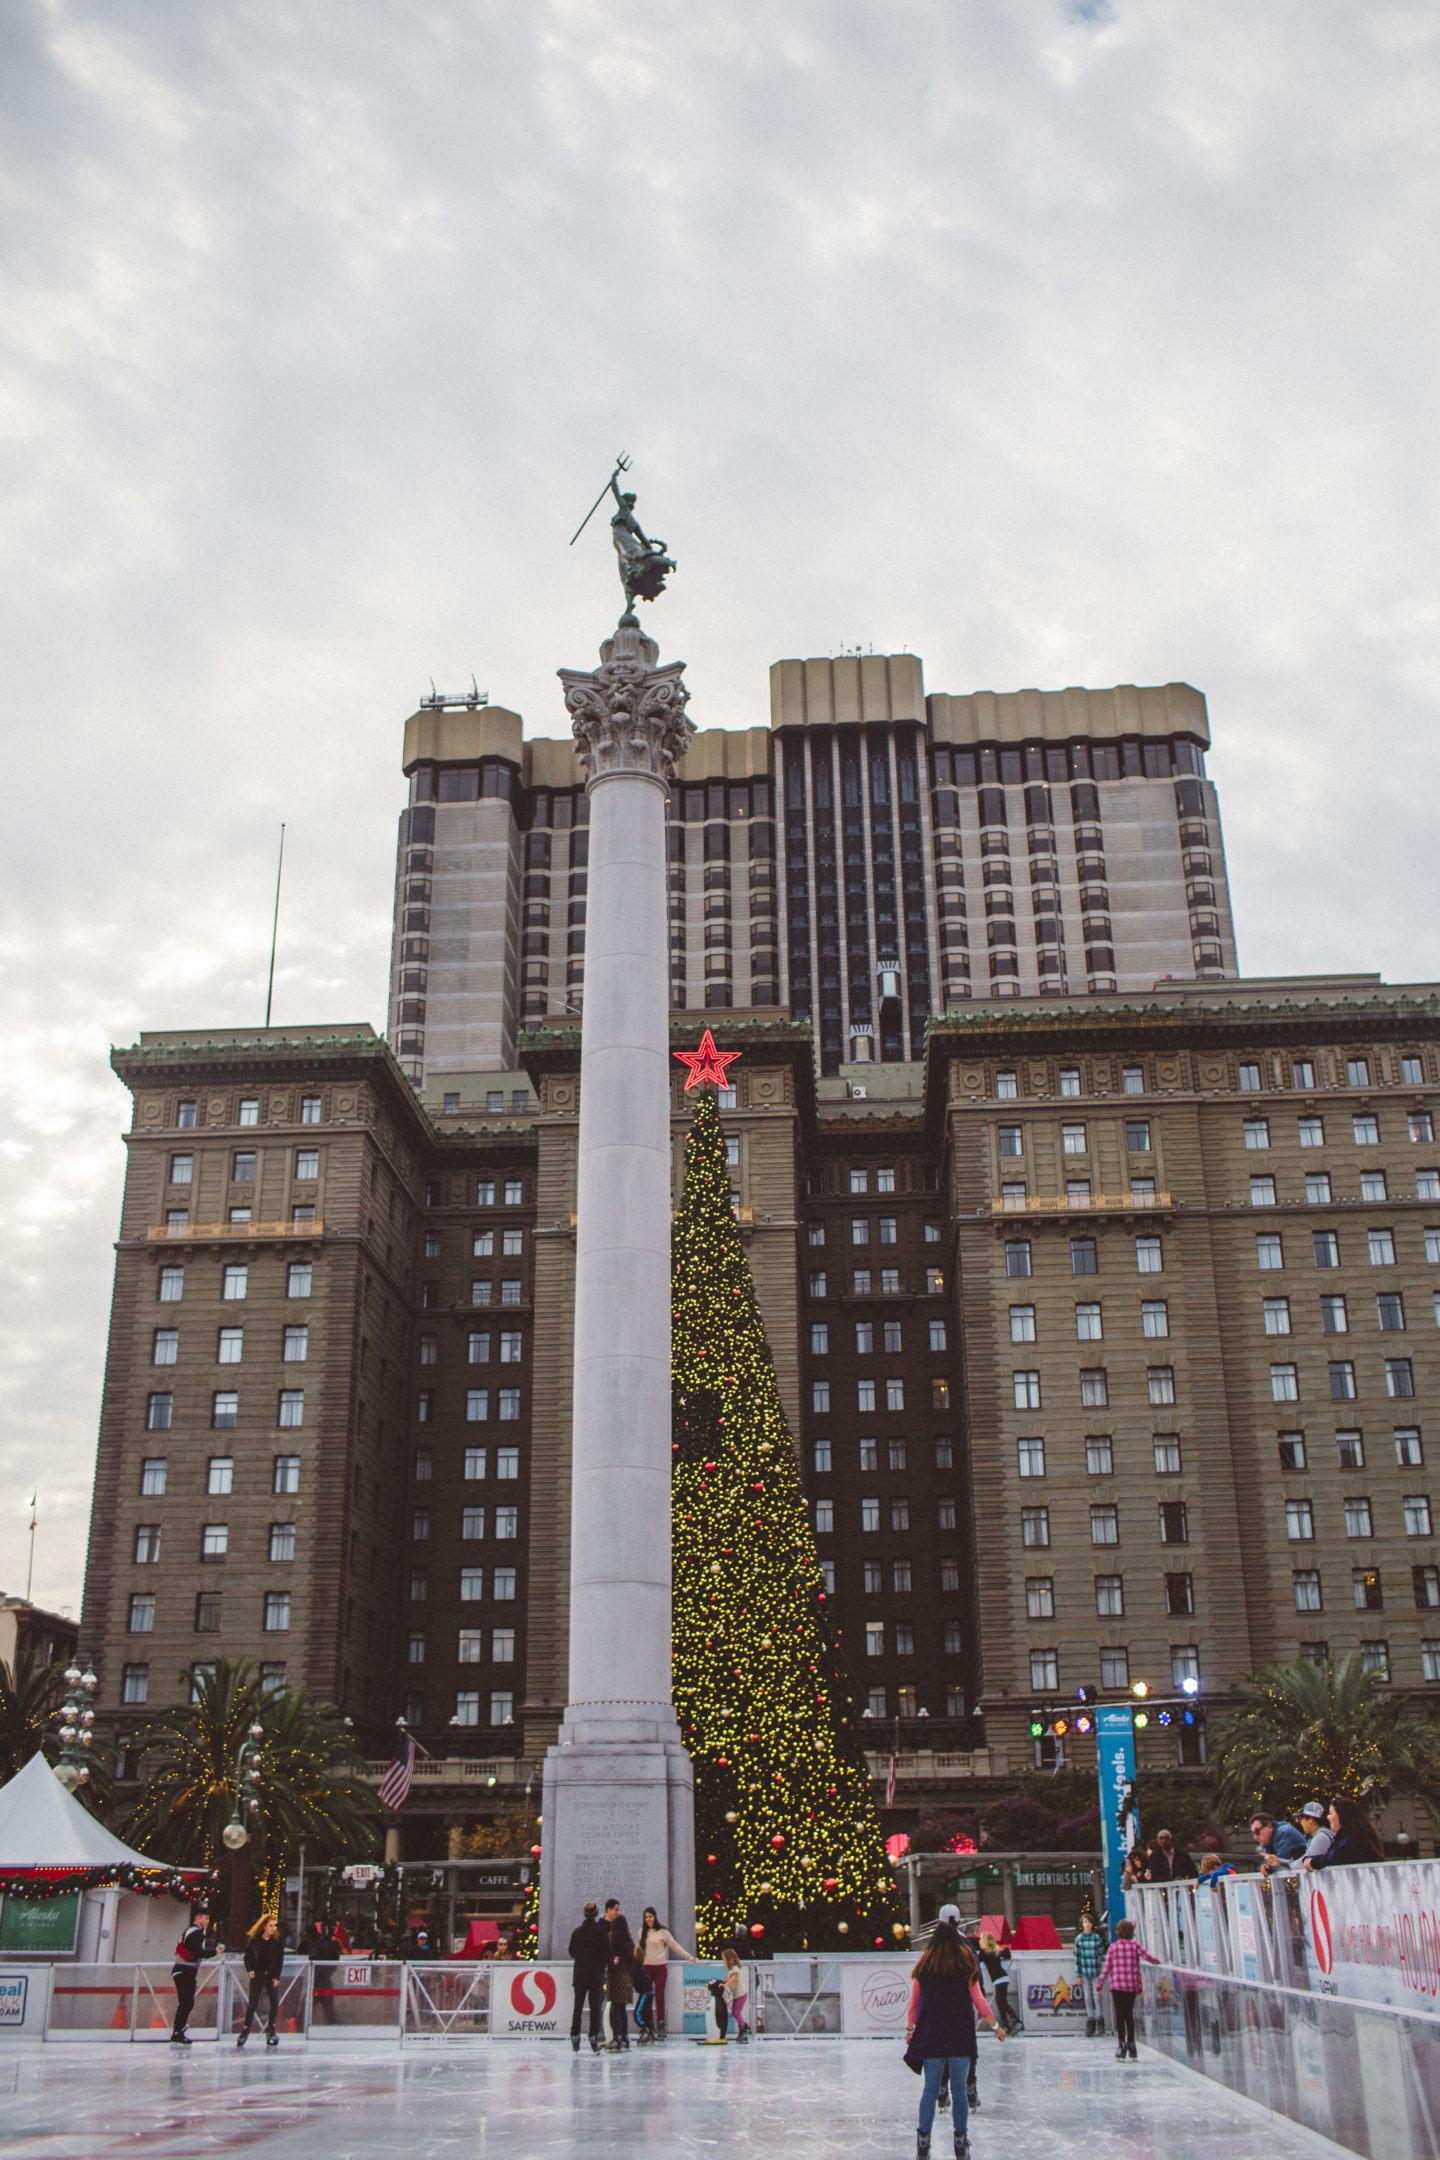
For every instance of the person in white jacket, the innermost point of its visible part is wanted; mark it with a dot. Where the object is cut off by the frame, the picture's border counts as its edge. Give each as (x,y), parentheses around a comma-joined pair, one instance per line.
(654,1949)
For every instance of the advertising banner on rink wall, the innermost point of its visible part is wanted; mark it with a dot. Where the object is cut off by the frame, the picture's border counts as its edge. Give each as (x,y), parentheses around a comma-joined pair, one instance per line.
(874,1998)
(534,2002)
(1044,1989)
(697,2013)
(1373,1933)
(530,2002)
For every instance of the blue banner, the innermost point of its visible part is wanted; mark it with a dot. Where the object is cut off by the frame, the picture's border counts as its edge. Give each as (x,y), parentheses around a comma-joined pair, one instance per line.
(1115,1761)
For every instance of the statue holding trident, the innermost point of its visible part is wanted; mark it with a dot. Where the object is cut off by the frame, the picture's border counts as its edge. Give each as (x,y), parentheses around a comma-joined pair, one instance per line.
(642,562)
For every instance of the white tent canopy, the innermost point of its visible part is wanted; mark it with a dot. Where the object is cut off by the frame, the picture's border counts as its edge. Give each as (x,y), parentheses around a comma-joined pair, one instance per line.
(44,1826)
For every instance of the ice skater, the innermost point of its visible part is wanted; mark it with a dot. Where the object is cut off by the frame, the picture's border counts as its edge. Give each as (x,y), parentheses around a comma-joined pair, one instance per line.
(264,1961)
(654,1951)
(994,1967)
(1089,1955)
(619,1978)
(1121,1974)
(945,1999)
(590,1953)
(731,1996)
(194,1946)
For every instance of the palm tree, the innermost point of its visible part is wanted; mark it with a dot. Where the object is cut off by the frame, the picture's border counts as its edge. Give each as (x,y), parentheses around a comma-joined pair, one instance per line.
(29,1693)
(312,1786)
(1305,1731)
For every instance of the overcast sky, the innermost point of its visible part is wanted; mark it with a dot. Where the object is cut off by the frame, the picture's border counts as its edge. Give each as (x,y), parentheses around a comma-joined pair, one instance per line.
(1058,343)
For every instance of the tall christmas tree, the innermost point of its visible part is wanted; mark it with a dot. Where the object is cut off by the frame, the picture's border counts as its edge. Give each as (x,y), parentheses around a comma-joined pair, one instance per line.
(788,1841)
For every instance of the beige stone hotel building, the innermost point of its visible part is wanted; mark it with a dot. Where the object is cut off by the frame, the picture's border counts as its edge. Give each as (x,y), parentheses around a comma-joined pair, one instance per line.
(1103,1284)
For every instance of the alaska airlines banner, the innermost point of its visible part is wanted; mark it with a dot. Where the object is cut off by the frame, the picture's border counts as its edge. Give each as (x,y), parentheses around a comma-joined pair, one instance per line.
(1115,1761)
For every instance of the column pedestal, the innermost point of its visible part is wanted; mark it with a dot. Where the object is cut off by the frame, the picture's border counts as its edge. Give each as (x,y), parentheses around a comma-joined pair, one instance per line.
(619,1821)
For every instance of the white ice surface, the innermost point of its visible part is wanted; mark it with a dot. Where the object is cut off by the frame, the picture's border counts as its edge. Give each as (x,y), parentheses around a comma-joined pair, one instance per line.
(518,2100)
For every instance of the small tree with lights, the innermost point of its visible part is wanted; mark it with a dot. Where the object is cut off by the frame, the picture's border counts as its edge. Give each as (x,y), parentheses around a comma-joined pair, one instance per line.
(788,1841)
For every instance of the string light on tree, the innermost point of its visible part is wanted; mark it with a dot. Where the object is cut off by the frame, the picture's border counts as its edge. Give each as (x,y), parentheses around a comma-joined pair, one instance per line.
(782,1791)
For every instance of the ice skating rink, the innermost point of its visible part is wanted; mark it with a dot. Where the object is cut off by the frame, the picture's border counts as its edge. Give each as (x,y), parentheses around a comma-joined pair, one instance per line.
(796,2100)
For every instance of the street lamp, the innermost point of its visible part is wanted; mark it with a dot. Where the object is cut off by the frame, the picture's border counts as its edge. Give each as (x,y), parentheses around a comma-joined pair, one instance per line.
(236,1834)
(76,1717)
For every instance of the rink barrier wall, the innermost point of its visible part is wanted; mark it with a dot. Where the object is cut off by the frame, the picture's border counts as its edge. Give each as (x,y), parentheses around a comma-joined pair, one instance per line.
(1314,1994)
(800,1995)
(1369,1934)
(1364,2076)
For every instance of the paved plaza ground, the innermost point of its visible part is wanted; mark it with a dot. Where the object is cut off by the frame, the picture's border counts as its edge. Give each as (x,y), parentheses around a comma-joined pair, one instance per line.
(803,2100)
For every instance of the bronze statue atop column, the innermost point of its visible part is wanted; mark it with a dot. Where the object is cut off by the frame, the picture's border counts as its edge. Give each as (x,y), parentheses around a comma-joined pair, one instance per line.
(642,562)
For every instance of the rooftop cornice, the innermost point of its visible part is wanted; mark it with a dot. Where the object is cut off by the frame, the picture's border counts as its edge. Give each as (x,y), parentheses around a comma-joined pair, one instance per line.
(1302,1017)
(225,1054)
(1357,1009)
(270,1044)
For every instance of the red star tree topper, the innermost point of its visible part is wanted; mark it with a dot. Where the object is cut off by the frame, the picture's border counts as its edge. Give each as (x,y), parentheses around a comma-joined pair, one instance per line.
(707,1064)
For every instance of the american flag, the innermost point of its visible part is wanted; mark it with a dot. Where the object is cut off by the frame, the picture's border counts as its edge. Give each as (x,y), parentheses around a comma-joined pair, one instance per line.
(395,1785)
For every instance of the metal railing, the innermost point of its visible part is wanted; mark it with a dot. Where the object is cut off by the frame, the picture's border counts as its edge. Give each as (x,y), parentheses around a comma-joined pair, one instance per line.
(459,1770)
(447,2001)
(1242,1927)
(1078,1203)
(922,1766)
(169,1233)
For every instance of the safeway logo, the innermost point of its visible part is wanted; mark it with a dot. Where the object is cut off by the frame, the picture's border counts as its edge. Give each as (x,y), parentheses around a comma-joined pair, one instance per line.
(542,1985)
(1320,1932)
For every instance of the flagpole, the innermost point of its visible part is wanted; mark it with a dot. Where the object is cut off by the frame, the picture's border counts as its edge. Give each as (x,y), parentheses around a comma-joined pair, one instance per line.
(274,929)
(30,1569)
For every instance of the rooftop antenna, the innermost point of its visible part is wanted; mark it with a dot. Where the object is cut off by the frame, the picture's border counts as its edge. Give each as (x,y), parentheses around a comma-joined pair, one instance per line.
(622,464)
(469,700)
(274,928)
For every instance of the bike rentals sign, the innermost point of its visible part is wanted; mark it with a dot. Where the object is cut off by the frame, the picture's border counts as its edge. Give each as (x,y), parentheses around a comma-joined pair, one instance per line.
(1374,1933)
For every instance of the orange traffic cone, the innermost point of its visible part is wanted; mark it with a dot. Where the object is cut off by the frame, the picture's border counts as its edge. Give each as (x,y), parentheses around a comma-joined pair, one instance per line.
(121,2020)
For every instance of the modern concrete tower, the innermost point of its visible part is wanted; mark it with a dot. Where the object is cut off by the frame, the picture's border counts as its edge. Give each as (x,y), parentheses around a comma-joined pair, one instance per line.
(619,1805)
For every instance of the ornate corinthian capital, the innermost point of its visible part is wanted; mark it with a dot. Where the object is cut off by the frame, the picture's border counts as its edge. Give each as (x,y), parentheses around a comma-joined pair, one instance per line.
(628,714)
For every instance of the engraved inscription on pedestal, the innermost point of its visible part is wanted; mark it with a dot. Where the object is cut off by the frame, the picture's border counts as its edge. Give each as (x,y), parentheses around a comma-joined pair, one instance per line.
(602,1834)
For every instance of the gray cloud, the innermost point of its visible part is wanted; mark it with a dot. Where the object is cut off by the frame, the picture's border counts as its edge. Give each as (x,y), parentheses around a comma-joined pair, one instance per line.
(1060,343)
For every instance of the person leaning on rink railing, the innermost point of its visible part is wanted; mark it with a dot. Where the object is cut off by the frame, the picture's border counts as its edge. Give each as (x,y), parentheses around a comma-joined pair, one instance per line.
(1354,1838)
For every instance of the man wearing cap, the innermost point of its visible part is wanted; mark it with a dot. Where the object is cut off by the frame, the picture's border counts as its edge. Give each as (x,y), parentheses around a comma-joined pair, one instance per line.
(1313,1823)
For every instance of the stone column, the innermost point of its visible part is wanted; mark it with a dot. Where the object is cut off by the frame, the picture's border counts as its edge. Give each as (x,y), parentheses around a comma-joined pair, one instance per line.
(618,1795)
